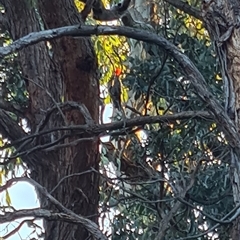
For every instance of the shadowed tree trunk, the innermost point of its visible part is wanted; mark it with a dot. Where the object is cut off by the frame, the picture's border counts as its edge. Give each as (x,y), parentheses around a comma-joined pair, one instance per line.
(62,70)
(222,18)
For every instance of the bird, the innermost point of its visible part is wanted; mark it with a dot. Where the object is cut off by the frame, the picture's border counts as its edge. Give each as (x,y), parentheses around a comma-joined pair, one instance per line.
(115,89)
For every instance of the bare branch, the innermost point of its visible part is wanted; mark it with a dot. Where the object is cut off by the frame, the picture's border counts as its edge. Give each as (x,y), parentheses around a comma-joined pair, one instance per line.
(179,192)
(185,7)
(11,107)
(66,215)
(15,230)
(93,130)
(48,215)
(190,70)
(9,128)
(69,176)
(12,131)
(69,105)
(106,129)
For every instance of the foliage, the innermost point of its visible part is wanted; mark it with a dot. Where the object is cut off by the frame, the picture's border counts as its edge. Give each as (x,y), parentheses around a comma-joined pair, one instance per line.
(165,157)
(174,150)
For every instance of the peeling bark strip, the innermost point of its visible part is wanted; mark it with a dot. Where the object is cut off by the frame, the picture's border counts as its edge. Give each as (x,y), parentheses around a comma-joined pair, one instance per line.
(68,73)
(222,19)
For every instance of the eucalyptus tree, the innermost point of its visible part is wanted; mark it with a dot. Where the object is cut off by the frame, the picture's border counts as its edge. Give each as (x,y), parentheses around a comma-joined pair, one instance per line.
(169,169)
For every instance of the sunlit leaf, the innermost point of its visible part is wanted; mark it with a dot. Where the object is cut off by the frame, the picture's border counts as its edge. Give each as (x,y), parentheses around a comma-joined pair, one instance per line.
(7,198)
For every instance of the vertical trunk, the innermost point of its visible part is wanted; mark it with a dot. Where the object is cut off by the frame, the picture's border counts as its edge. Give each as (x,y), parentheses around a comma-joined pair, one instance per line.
(65,71)
(222,20)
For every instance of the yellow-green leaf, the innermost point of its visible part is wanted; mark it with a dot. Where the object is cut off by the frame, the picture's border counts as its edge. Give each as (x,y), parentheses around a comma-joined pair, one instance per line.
(8,199)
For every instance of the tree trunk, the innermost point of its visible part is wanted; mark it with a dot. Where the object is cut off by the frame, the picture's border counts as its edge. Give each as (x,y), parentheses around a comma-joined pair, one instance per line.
(63,70)
(222,19)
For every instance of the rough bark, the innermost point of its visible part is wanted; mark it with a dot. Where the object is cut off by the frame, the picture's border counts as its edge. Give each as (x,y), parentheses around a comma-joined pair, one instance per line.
(63,70)
(222,20)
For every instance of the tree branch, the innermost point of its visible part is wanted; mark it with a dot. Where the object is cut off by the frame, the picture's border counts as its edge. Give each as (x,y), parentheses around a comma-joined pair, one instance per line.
(189,69)
(35,154)
(9,128)
(11,107)
(48,215)
(15,230)
(185,7)
(66,215)
(106,129)
(12,131)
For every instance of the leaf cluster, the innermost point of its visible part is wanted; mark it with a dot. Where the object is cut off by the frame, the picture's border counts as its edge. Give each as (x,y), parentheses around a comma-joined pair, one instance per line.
(175,153)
